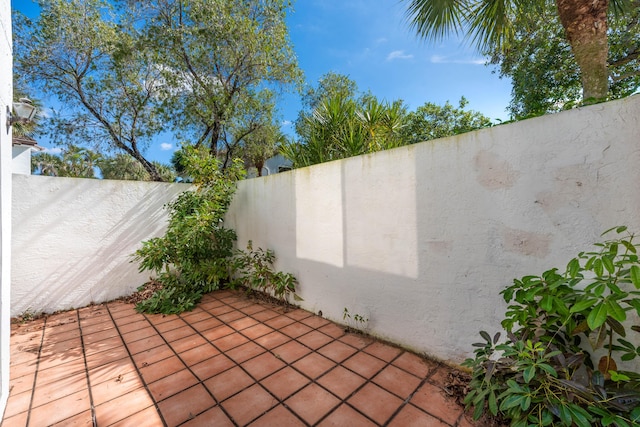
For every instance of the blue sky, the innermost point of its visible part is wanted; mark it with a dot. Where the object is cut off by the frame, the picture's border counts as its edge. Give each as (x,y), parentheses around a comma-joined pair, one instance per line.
(370,41)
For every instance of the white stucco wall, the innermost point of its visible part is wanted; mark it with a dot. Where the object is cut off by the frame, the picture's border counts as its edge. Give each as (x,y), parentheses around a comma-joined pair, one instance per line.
(6,94)
(21,163)
(72,238)
(421,239)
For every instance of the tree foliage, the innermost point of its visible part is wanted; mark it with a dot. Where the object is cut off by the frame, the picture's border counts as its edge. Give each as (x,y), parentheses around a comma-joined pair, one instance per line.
(431,121)
(338,122)
(222,63)
(209,70)
(95,64)
(543,71)
(493,24)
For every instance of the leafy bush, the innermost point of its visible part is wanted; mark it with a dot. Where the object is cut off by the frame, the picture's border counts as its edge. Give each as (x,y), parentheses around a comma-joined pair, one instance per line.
(254,269)
(542,375)
(193,257)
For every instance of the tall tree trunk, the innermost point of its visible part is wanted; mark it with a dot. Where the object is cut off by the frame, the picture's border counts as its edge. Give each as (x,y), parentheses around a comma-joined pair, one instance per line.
(585,22)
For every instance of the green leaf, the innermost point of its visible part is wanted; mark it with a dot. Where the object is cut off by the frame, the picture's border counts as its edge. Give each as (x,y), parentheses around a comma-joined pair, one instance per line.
(579,306)
(608,264)
(597,316)
(573,267)
(493,404)
(548,369)
(511,402)
(529,373)
(580,416)
(634,273)
(630,247)
(614,310)
(598,267)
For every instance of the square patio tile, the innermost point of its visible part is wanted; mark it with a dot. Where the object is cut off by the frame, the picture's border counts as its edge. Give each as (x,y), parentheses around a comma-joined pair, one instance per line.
(245,352)
(109,390)
(207,324)
(59,389)
(153,355)
(312,403)
(172,384)
(279,322)
(213,417)
(60,409)
(198,354)
(228,383)
(262,366)
(315,339)
(364,364)
(278,416)
(376,403)
(291,351)
(285,382)
(397,381)
(432,400)
(414,365)
(341,382)
(217,332)
(383,351)
(313,365)
(337,351)
(188,342)
(256,331)
(346,416)
(211,367)
(174,410)
(356,340)
(272,340)
(295,330)
(410,416)
(249,405)
(165,367)
(228,342)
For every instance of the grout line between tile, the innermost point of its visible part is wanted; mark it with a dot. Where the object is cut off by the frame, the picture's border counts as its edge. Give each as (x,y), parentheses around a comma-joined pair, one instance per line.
(35,376)
(155,404)
(94,421)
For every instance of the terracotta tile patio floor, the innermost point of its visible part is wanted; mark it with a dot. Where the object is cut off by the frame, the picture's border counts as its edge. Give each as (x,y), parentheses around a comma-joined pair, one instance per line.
(231,361)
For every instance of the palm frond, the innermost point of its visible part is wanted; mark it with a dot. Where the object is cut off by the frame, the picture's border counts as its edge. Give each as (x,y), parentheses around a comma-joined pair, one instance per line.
(434,19)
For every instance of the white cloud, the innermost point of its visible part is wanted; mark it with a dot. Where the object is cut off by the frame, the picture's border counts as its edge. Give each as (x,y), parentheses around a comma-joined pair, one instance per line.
(165,146)
(54,150)
(398,54)
(286,123)
(439,59)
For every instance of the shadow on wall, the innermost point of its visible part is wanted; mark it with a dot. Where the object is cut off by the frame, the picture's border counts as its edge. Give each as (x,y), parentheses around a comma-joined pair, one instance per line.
(421,239)
(73,238)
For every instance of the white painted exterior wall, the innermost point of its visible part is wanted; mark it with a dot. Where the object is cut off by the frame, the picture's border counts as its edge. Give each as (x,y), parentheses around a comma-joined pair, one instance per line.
(73,239)
(6,95)
(421,239)
(21,155)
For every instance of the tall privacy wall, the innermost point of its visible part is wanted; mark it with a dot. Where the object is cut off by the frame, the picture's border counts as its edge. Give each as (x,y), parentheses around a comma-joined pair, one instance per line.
(73,239)
(420,240)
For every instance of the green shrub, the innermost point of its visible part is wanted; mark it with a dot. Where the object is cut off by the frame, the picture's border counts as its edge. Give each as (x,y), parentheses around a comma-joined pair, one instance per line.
(543,375)
(194,255)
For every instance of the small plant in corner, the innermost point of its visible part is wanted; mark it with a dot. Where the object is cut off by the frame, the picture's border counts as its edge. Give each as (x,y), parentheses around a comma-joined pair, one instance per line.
(254,270)
(544,375)
(355,322)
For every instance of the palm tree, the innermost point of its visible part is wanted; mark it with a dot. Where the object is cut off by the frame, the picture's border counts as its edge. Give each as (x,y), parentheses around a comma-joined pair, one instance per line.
(489,24)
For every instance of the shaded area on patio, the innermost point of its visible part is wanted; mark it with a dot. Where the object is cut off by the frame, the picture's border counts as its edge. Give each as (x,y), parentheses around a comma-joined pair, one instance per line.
(231,361)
